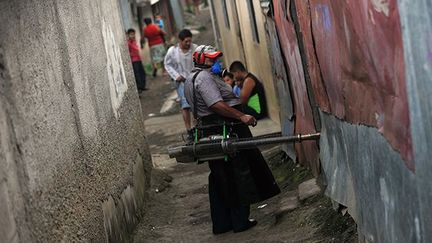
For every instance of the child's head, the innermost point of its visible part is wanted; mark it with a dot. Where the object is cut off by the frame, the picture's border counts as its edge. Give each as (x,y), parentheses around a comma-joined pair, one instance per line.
(131,34)
(228,77)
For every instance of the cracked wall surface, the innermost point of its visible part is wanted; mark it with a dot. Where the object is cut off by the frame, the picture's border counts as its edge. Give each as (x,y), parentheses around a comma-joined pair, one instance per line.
(72,133)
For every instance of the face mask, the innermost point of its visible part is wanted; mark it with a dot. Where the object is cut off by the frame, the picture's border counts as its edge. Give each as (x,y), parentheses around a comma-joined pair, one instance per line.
(216,68)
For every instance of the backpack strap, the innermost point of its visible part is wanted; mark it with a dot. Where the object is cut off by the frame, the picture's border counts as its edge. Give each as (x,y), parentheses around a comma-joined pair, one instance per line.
(195,110)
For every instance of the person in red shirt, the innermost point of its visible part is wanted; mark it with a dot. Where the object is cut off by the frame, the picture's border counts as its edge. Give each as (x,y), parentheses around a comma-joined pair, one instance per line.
(156,42)
(134,52)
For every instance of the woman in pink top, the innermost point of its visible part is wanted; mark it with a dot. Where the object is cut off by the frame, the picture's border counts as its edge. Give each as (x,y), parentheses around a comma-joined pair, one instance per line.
(155,37)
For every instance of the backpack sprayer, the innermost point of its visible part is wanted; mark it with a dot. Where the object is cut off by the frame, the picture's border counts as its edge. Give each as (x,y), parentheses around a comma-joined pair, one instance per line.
(222,146)
(217,147)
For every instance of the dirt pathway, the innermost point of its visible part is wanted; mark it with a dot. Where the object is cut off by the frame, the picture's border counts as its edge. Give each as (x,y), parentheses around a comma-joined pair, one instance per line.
(178,210)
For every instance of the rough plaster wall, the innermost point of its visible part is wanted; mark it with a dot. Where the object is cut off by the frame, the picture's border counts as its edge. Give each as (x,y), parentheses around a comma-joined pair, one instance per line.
(231,43)
(75,128)
(12,213)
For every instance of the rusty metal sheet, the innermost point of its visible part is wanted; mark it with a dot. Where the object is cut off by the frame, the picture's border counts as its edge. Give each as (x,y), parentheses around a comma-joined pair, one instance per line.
(313,70)
(282,87)
(358,50)
(360,53)
(307,152)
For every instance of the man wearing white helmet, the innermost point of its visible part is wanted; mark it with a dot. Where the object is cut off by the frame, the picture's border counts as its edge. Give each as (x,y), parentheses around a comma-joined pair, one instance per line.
(242,178)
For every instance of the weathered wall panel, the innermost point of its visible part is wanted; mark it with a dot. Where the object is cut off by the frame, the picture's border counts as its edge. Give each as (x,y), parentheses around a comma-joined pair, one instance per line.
(366,60)
(307,152)
(313,70)
(359,48)
(366,174)
(283,91)
(416,19)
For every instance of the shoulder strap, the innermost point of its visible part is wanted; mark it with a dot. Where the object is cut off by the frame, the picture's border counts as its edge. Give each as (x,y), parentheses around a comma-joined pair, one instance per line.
(195,111)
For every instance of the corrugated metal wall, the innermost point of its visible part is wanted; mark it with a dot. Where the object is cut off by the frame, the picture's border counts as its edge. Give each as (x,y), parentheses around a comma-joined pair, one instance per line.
(360,71)
(282,88)
(416,21)
(307,152)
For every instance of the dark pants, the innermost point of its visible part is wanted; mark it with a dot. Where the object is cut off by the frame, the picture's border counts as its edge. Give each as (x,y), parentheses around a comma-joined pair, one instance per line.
(140,75)
(225,218)
(237,183)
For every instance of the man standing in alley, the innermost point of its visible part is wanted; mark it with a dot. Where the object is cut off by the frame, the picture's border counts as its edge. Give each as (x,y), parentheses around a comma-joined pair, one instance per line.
(179,64)
(134,52)
(241,178)
(252,94)
(156,42)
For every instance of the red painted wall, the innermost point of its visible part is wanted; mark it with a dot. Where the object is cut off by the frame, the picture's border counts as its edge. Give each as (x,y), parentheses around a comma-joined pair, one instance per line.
(355,62)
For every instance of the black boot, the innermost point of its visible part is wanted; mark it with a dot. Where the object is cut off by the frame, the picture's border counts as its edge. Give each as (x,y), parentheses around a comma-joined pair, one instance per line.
(251,223)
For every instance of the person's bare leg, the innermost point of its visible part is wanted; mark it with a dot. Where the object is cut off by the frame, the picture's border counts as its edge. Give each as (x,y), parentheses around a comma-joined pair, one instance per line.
(164,73)
(187,118)
(155,68)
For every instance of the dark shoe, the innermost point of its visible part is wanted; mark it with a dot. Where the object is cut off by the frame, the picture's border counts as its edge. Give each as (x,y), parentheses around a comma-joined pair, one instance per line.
(251,223)
(154,72)
(140,91)
(218,232)
(190,136)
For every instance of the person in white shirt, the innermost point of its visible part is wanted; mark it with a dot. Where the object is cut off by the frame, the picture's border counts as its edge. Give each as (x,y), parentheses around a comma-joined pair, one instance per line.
(179,63)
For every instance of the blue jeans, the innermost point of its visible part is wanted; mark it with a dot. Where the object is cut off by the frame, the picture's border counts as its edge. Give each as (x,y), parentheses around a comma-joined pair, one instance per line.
(180,92)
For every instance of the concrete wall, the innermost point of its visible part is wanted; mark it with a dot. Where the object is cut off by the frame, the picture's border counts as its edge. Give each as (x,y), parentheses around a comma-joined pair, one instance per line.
(230,33)
(74,163)
(256,53)
(238,44)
